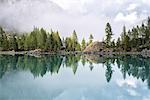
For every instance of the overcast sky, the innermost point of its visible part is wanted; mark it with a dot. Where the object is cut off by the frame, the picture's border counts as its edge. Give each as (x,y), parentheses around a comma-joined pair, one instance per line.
(85,16)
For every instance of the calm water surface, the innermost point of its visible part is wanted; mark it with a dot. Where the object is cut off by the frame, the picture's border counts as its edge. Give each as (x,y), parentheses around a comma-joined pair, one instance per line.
(74,77)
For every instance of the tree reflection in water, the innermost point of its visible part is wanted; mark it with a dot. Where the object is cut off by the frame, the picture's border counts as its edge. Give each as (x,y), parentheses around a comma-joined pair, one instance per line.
(136,66)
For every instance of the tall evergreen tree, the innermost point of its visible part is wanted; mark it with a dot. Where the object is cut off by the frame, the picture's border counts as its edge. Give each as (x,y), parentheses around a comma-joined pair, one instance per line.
(78,48)
(43,38)
(27,42)
(5,42)
(1,36)
(113,44)
(33,40)
(48,44)
(123,35)
(58,41)
(147,30)
(74,40)
(118,43)
(68,42)
(108,31)
(135,33)
(125,39)
(91,39)
(14,43)
(83,44)
(21,42)
(54,41)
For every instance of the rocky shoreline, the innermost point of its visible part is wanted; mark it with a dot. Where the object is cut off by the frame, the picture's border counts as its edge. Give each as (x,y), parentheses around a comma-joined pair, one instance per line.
(36,53)
(145,53)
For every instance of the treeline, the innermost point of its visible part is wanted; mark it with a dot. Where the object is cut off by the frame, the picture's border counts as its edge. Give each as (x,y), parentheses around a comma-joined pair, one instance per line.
(135,39)
(40,39)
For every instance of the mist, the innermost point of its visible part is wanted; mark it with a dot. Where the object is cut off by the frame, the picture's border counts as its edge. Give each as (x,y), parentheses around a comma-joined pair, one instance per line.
(23,15)
(86,17)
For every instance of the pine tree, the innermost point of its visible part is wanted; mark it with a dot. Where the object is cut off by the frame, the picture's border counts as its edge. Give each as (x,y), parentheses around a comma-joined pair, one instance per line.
(33,40)
(78,48)
(125,39)
(43,38)
(83,44)
(38,38)
(58,40)
(1,36)
(5,42)
(147,30)
(54,41)
(48,45)
(118,43)
(14,43)
(74,40)
(69,44)
(113,44)
(20,42)
(27,42)
(123,35)
(135,33)
(91,39)
(142,33)
(127,44)
(109,34)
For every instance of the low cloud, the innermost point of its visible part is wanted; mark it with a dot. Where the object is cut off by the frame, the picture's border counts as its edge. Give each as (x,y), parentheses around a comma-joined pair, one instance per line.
(85,16)
(130,18)
(132,7)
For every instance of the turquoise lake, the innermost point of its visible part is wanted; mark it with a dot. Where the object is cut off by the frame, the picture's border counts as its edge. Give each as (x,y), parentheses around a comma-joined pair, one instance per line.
(74,77)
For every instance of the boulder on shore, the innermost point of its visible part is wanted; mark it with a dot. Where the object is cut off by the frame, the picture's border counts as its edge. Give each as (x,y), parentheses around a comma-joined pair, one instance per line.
(95,47)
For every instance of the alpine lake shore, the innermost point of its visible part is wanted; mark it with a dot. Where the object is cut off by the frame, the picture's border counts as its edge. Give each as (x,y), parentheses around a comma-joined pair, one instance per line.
(145,53)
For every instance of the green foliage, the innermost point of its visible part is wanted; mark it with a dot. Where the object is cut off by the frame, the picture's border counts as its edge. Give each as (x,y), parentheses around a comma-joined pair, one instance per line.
(48,45)
(57,40)
(123,35)
(125,39)
(109,34)
(118,44)
(138,37)
(5,42)
(68,43)
(42,37)
(83,44)
(13,45)
(72,43)
(1,36)
(20,42)
(113,45)
(91,39)
(135,33)
(78,48)
(74,40)
(37,39)
(33,39)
